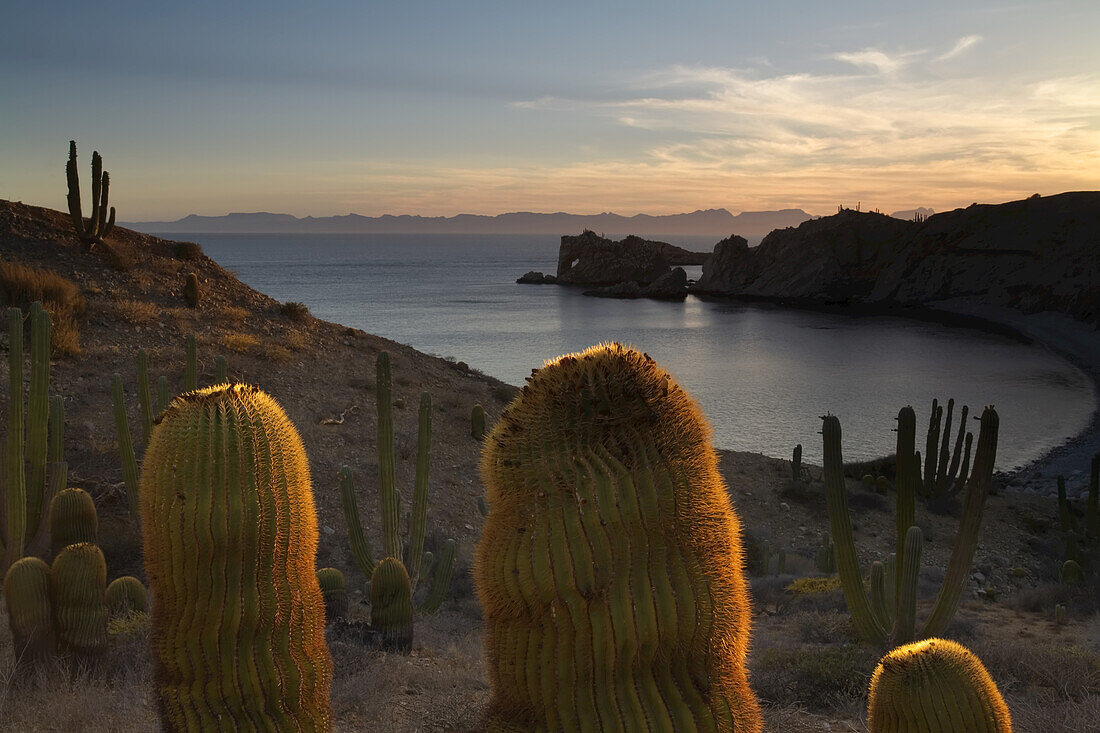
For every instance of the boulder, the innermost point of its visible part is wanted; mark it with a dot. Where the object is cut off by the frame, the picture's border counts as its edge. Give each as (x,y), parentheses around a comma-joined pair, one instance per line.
(533,277)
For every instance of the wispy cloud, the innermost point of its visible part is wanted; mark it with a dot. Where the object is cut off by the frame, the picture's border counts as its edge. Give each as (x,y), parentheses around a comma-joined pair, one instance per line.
(877,60)
(960,47)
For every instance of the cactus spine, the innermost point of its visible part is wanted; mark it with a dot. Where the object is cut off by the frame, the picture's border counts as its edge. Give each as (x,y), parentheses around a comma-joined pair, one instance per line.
(334,592)
(30,615)
(477,422)
(230,539)
(390,498)
(871,624)
(78,583)
(935,686)
(391,612)
(610,569)
(126,595)
(73,519)
(98,225)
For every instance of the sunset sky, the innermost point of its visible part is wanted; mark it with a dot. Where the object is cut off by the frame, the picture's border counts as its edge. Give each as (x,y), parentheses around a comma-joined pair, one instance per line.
(441,108)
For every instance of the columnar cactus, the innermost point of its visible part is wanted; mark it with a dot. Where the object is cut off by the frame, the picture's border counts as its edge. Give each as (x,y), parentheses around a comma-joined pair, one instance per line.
(334,592)
(477,422)
(945,470)
(73,519)
(230,539)
(125,443)
(390,498)
(30,615)
(610,569)
(98,225)
(935,686)
(391,611)
(796,464)
(126,595)
(825,560)
(78,584)
(873,620)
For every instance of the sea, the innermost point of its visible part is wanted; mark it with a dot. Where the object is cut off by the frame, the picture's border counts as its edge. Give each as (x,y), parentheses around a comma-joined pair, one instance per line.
(762,374)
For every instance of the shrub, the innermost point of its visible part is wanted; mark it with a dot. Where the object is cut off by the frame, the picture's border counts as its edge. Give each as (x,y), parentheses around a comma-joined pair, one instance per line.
(294,310)
(814,676)
(21,285)
(188,251)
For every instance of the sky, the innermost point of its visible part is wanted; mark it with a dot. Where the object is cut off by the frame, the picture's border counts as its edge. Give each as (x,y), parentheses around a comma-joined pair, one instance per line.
(440,108)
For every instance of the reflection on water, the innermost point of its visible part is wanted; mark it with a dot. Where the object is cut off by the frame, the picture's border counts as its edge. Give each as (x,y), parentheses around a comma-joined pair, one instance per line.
(762,374)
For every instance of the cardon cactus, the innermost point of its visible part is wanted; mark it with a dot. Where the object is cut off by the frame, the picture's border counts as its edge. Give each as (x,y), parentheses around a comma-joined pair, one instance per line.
(27,596)
(892,615)
(230,539)
(610,568)
(391,611)
(126,595)
(78,583)
(335,593)
(935,686)
(98,225)
(73,519)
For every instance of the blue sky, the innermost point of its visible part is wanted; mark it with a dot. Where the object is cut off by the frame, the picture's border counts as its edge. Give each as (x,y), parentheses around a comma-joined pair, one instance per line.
(449,107)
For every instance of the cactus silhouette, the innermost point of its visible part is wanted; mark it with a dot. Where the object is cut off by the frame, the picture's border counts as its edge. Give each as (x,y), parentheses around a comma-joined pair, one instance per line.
(935,686)
(230,538)
(610,568)
(98,225)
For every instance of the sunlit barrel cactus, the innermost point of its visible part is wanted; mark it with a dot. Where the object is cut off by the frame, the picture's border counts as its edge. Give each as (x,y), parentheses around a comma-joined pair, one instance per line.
(610,568)
(935,686)
(127,595)
(230,539)
(27,597)
(73,519)
(78,583)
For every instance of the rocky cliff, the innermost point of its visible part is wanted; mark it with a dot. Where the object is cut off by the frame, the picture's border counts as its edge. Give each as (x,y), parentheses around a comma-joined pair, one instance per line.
(590,259)
(1031,255)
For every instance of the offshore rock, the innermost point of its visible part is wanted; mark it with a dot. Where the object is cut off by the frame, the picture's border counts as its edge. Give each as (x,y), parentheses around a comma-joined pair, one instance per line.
(590,259)
(673,285)
(533,277)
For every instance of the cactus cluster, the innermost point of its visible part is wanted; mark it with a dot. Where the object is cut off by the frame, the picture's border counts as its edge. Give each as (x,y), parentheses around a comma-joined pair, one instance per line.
(935,686)
(98,225)
(891,612)
(417,564)
(230,539)
(946,469)
(34,441)
(610,569)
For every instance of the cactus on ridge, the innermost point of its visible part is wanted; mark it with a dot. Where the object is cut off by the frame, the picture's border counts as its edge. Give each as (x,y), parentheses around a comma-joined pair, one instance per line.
(610,568)
(230,540)
(191,292)
(935,686)
(98,225)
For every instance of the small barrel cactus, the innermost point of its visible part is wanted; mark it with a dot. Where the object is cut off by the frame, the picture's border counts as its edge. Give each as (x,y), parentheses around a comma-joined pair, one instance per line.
(27,596)
(230,539)
(127,595)
(477,422)
(935,686)
(78,581)
(335,593)
(391,612)
(191,292)
(73,519)
(610,568)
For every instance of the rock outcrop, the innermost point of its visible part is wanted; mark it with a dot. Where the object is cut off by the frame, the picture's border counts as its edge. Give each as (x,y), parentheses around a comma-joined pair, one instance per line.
(1039,254)
(673,285)
(590,259)
(534,277)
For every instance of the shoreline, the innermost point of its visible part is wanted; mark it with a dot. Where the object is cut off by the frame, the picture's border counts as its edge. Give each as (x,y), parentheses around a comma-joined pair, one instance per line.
(1074,341)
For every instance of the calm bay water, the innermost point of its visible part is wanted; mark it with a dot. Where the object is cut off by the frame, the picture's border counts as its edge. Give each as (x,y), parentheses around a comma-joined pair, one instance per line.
(762,374)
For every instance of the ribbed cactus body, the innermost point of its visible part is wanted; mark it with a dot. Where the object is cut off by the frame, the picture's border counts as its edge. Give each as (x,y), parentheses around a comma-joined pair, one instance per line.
(78,582)
(73,519)
(127,595)
(935,686)
(191,291)
(610,567)
(477,422)
(335,593)
(230,538)
(27,596)
(391,604)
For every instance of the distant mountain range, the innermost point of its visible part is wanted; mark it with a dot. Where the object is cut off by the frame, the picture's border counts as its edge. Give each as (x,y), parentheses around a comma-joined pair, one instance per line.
(718,223)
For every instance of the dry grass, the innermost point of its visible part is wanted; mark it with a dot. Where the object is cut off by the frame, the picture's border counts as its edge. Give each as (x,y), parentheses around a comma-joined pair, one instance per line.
(276,352)
(136,312)
(21,285)
(234,315)
(240,342)
(295,341)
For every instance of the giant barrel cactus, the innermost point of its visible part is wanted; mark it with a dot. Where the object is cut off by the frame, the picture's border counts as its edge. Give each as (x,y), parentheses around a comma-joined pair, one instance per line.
(78,584)
(610,568)
(230,537)
(935,686)
(27,596)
